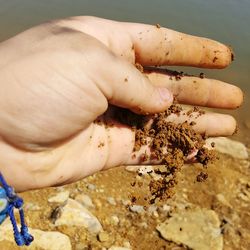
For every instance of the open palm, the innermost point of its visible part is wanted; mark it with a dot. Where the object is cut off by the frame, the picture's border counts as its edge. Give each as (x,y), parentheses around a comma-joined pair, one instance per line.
(57,78)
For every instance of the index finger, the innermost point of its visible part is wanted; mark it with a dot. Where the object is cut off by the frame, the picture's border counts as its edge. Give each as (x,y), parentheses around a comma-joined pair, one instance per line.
(155,45)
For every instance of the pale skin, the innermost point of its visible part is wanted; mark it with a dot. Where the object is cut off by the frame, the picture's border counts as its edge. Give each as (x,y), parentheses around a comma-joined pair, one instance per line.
(57,78)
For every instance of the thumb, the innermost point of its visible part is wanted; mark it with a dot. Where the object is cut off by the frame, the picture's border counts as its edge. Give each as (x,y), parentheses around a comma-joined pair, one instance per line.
(126,87)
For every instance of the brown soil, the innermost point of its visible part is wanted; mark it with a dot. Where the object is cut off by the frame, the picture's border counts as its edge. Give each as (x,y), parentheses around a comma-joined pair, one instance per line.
(170,144)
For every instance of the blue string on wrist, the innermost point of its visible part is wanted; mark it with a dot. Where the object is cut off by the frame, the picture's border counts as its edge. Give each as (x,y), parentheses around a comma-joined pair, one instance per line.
(22,237)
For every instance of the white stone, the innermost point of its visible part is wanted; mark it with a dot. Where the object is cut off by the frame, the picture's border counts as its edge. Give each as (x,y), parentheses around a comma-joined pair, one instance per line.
(111,201)
(119,248)
(59,197)
(152,209)
(126,202)
(91,186)
(114,220)
(132,168)
(198,229)
(136,209)
(227,146)
(85,200)
(45,240)
(127,244)
(221,198)
(166,208)
(74,214)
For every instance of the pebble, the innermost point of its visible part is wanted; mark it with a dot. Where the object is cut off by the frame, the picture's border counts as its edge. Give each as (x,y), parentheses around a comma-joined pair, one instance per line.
(127,244)
(221,198)
(126,202)
(197,228)
(152,209)
(119,248)
(85,200)
(81,246)
(91,186)
(103,236)
(44,240)
(132,168)
(136,209)
(228,146)
(166,208)
(114,220)
(111,201)
(59,197)
(74,214)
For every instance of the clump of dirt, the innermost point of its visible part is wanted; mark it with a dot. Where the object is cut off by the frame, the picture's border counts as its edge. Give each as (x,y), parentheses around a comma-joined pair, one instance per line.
(201,177)
(170,144)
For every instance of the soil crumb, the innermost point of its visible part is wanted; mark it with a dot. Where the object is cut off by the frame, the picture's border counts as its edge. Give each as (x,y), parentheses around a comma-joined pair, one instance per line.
(201,177)
(170,144)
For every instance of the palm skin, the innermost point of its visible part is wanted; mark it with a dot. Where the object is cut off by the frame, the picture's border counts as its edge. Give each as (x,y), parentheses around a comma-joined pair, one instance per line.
(57,78)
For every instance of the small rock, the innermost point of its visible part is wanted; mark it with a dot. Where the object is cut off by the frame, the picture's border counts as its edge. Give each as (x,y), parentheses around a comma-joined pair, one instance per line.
(103,236)
(74,214)
(127,244)
(44,240)
(155,214)
(227,146)
(119,248)
(132,168)
(221,198)
(152,209)
(85,200)
(98,203)
(126,202)
(91,186)
(197,229)
(60,197)
(136,209)
(166,208)
(111,201)
(81,246)
(114,220)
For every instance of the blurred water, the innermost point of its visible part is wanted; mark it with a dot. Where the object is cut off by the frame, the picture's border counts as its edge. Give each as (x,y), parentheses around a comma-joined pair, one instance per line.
(225,20)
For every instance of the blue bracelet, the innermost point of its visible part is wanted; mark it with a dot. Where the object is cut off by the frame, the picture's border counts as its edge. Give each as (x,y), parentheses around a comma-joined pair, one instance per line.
(9,200)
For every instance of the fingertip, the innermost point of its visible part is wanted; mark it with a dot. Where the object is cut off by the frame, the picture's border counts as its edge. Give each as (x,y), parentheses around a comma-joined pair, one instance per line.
(238,97)
(227,56)
(221,56)
(229,126)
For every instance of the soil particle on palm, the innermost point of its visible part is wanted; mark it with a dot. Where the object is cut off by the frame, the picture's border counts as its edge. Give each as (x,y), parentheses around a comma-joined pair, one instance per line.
(139,67)
(170,144)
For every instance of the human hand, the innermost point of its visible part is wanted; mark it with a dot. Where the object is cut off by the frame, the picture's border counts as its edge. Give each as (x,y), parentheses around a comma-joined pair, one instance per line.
(57,78)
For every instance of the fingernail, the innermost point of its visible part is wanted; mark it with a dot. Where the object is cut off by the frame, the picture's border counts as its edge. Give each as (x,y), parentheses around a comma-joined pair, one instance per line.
(165,95)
